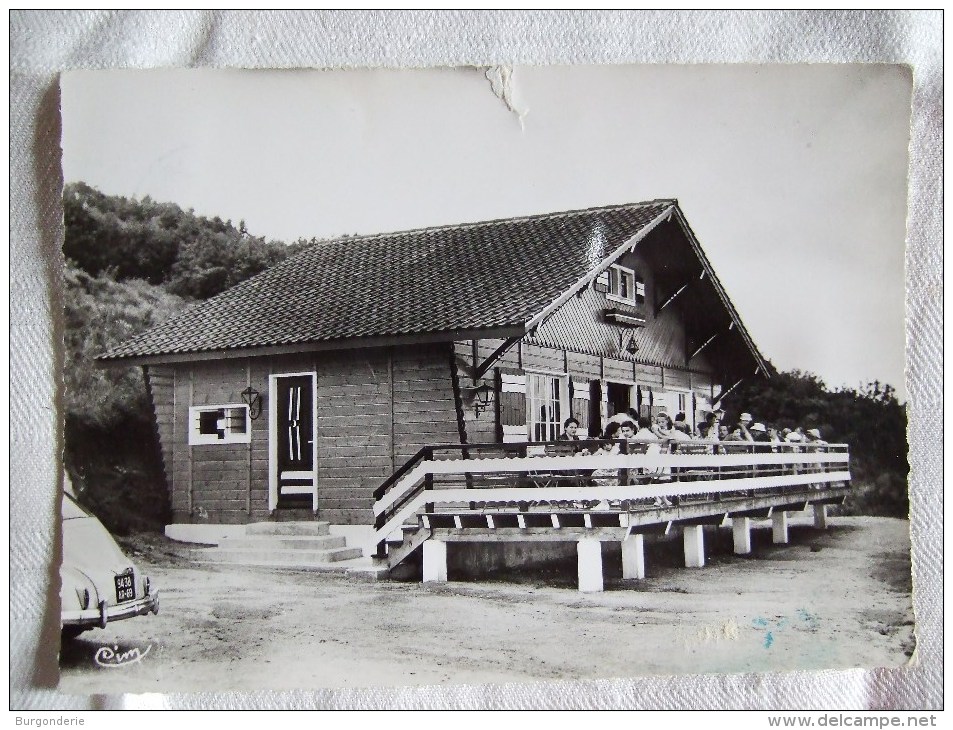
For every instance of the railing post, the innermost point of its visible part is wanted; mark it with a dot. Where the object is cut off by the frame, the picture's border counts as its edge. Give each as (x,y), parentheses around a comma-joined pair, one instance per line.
(468,476)
(624,473)
(381,549)
(428,479)
(524,475)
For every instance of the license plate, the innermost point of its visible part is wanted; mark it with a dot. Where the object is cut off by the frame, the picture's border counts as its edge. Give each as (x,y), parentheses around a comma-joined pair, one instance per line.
(125,590)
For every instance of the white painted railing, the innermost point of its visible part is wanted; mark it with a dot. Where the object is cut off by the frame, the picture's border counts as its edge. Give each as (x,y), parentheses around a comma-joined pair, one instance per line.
(760,466)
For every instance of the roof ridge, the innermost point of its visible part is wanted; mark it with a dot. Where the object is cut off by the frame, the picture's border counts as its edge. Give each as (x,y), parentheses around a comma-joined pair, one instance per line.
(498,221)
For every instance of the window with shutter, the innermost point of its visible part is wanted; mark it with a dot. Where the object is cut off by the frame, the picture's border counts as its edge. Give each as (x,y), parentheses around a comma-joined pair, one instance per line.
(625,286)
(225,424)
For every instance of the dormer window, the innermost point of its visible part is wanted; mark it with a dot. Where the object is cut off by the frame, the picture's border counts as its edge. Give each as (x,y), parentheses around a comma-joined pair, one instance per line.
(625,286)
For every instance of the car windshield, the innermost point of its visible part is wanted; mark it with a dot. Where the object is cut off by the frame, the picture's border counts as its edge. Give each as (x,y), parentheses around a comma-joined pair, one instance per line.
(71,509)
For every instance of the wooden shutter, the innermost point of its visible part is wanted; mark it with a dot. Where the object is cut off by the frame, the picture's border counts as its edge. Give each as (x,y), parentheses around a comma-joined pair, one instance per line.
(646,400)
(579,403)
(512,407)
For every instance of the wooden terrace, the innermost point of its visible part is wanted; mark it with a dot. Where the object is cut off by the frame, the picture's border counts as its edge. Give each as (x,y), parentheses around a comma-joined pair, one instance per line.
(553,491)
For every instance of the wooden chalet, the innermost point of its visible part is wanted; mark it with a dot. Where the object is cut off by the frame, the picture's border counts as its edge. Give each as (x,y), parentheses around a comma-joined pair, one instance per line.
(313,389)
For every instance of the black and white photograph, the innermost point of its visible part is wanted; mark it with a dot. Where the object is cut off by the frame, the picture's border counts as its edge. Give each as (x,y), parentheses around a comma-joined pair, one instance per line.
(475,376)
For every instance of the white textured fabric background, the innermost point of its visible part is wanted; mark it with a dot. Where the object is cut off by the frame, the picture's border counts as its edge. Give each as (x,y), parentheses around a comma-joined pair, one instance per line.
(43,43)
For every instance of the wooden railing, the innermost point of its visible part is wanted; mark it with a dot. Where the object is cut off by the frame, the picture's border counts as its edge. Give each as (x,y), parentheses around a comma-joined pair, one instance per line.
(557,472)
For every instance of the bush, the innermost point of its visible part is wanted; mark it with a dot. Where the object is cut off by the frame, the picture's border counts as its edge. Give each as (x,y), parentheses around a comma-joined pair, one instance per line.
(112,450)
(869,419)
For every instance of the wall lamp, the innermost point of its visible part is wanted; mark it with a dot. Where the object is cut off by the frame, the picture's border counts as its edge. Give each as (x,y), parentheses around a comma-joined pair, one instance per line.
(252,398)
(628,343)
(480,397)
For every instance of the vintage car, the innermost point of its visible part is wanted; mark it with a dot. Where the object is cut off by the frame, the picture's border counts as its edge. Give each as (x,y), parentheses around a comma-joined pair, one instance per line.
(99,583)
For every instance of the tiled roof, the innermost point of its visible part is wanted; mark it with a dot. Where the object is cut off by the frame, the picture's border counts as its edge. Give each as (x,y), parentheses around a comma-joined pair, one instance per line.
(470,276)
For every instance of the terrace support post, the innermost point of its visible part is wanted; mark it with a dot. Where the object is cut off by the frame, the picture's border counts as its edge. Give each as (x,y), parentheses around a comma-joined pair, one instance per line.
(779,522)
(589,554)
(693,537)
(633,557)
(435,561)
(820,516)
(741,530)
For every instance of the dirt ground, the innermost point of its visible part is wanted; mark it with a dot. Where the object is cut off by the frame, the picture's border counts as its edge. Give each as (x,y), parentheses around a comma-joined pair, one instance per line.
(834,599)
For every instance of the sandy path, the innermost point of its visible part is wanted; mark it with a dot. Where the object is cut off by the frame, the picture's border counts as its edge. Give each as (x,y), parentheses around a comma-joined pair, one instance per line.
(826,600)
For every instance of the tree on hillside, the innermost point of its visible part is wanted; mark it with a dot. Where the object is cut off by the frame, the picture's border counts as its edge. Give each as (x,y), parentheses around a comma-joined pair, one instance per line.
(111,449)
(195,257)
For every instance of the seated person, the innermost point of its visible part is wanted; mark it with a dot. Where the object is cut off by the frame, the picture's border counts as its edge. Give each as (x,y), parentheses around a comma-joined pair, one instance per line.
(708,429)
(665,429)
(645,432)
(760,433)
(735,435)
(571,433)
(744,426)
(627,430)
(608,477)
(796,436)
(814,437)
(682,425)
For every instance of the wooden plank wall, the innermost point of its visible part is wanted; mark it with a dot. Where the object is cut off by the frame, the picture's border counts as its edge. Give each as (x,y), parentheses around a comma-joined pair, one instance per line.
(354,432)
(216,476)
(481,429)
(376,408)
(161,380)
(581,367)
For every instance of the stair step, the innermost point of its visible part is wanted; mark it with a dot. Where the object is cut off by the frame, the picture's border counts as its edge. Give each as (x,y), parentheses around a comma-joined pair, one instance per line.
(286,542)
(313,529)
(249,556)
(316,567)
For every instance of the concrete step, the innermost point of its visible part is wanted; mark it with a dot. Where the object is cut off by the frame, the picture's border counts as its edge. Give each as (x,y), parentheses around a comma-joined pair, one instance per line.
(312,529)
(295,565)
(362,568)
(249,556)
(286,542)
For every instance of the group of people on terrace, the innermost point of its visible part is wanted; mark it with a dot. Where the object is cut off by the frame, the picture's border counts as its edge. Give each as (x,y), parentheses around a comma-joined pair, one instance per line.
(662,434)
(747,429)
(631,426)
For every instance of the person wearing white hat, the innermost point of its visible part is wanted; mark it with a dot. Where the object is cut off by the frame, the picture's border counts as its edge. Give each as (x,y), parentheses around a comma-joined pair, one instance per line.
(759,432)
(814,436)
(744,424)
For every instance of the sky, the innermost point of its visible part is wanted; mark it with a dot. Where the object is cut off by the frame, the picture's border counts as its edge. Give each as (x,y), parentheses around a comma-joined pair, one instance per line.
(793,178)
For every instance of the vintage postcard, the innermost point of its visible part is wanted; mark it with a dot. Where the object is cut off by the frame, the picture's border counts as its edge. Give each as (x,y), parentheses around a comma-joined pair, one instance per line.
(477,376)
